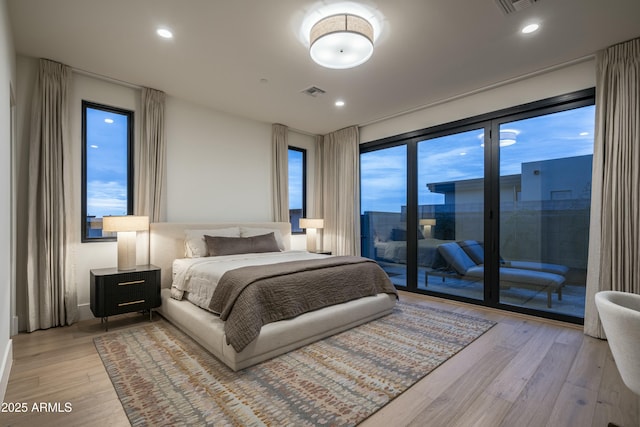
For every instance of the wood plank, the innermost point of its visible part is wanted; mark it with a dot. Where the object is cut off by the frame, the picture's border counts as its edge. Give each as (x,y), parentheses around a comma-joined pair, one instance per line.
(486,410)
(456,399)
(616,403)
(508,385)
(534,405)
(574,406)
(589,363)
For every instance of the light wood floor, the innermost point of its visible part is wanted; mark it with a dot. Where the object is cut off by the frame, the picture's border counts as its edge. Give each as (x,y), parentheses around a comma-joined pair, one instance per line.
(523,372)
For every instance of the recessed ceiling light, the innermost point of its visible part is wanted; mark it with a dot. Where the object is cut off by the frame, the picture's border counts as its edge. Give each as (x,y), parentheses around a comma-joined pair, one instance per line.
(109,121)
(527,29)
(93,146)
(164,33)
(339,103)
(584,133)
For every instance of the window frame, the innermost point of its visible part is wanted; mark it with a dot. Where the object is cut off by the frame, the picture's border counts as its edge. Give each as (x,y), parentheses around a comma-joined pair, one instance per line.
(130,169)
(303,151)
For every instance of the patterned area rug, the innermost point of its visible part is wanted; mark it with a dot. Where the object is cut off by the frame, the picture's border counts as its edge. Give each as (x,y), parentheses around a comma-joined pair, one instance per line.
(164,378)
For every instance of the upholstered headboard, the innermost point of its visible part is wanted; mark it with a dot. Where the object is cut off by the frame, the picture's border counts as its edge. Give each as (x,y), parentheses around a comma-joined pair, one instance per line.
(166,240)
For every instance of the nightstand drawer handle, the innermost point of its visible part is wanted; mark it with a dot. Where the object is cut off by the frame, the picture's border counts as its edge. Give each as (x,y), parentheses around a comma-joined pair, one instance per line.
(130,303)
(135,282)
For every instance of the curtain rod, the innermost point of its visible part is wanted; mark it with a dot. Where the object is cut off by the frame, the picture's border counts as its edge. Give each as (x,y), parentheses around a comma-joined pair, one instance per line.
(105,78)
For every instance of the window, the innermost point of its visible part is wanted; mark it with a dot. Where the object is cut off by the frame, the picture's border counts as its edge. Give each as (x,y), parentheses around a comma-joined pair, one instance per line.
(297,187)
(107,167)
(493,209)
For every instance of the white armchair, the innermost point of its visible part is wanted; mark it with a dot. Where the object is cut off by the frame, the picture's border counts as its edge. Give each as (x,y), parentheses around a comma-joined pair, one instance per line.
(620,315)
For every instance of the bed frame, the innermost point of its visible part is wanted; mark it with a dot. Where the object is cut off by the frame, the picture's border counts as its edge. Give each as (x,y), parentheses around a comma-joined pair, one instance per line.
(166,241)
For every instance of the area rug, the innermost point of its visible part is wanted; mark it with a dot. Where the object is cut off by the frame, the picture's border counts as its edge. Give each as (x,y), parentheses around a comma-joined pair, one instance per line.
(163,377)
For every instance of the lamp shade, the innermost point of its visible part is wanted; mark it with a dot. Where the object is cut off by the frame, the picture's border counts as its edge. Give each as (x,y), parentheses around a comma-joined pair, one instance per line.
(341,41)
(311,223)
(125,223)
(427,221)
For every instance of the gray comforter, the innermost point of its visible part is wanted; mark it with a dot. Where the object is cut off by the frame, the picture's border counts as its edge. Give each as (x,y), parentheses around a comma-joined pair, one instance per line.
(248,297)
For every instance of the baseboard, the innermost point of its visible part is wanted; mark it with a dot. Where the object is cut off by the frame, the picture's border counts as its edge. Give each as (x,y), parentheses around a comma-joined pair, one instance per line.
(84,312)
(5,369)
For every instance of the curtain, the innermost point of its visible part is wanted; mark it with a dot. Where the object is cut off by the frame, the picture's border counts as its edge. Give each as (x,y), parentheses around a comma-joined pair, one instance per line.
(614,245)
(280,178)
(51,290)
(341,192)
(318,200)
(151,166)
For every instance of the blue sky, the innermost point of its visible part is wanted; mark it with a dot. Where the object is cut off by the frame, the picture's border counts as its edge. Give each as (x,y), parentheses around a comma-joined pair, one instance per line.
(295,179)
(461,156)
(106,163)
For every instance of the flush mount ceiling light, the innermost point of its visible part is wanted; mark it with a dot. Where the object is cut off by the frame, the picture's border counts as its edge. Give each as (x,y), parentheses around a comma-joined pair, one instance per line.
(341,41)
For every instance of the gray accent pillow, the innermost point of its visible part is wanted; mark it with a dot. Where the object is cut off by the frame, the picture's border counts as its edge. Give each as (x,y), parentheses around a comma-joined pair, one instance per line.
(218,245)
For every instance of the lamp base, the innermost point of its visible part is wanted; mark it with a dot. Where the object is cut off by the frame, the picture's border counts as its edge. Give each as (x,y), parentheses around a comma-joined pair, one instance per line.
(126,250)
(311,240)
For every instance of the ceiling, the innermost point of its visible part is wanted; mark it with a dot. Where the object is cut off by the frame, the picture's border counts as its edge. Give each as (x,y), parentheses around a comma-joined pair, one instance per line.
(247,57)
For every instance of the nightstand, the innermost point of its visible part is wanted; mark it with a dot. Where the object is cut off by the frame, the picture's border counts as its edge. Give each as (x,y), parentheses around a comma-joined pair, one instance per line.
(116,291)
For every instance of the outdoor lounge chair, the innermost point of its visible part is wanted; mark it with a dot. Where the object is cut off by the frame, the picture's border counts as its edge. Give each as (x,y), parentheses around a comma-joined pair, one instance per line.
(517,274)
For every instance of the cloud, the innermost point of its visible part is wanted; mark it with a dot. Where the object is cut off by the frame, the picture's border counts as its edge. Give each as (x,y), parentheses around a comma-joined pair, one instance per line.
(106,198)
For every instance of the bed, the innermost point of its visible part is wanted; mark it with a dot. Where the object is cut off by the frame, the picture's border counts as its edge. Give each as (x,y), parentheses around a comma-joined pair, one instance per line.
(167,247)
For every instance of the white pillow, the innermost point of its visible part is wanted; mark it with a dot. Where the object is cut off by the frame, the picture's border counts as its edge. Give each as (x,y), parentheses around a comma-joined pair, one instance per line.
(196,247)
(250,232)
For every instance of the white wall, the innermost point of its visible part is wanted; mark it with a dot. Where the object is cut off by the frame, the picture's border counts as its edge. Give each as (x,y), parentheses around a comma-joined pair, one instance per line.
(543,85)
(218,165)
(7,80)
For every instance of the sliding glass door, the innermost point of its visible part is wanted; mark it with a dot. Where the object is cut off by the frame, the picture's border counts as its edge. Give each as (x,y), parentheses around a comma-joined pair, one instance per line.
(545,196)
(492,209)
(450,210)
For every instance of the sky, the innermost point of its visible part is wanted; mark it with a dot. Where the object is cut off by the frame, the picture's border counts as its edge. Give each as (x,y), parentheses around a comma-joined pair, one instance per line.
(106,163)
(295,179)
(461,156)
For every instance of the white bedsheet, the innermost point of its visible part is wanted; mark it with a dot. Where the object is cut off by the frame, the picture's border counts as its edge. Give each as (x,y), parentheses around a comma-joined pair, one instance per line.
(195,279)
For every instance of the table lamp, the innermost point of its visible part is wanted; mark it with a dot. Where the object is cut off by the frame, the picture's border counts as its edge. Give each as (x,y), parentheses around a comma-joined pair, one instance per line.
(311,225)
(126,226)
